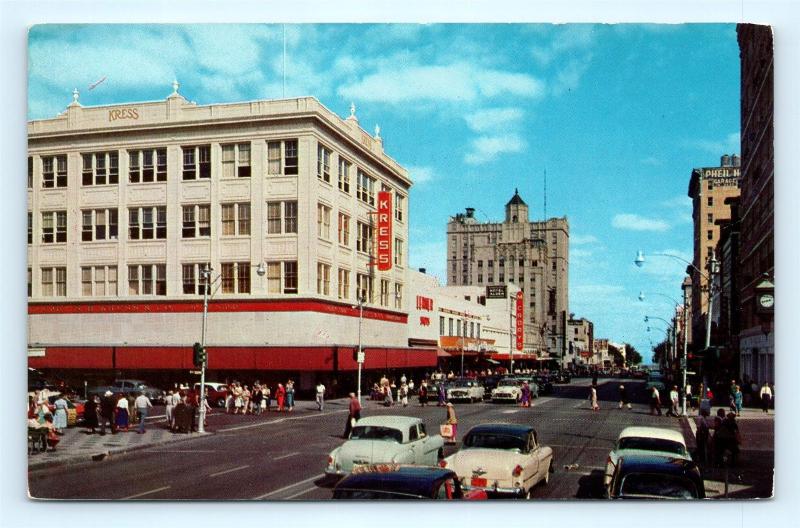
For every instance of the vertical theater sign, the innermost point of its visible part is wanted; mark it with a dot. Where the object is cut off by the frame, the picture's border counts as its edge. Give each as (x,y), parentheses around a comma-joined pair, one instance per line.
(520,322)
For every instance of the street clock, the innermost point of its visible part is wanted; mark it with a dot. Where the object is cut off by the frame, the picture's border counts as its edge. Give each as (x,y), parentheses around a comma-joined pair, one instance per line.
(766,300)
(765,296)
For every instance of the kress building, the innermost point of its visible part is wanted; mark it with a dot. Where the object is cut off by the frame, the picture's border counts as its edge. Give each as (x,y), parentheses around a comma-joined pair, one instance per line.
(127,204)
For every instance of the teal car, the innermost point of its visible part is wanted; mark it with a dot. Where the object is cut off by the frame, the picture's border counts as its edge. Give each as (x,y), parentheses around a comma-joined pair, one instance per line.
(386,440)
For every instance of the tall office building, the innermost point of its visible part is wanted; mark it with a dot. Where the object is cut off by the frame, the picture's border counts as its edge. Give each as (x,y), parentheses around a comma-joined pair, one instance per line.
(532,255)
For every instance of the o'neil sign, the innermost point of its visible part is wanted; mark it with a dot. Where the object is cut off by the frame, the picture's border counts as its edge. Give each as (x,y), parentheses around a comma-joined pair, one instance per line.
(384,238)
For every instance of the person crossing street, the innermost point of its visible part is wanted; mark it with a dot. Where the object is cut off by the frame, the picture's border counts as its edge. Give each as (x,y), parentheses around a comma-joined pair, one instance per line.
(320,396)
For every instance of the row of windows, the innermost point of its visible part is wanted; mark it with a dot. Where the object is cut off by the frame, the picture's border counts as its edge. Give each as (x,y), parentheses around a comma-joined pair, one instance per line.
(365,286)
(471,330)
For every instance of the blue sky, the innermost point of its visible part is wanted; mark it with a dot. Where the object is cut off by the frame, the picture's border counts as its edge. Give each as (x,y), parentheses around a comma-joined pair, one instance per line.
(617,114)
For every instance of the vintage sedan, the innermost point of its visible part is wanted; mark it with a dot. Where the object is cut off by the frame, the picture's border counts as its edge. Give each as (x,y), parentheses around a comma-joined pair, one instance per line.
(507,390)
(502,459)
(644,441)
(464,389)
(386,440)
(395,481)
(656,477)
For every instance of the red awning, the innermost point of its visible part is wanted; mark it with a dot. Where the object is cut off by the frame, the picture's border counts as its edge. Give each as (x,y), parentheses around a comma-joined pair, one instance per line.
(442,353)
(74,358)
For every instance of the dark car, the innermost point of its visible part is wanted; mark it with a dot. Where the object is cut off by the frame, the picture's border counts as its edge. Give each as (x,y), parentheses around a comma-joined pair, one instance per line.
(545,384)
(656,477)
(489,384)
(393,481)
(562,376)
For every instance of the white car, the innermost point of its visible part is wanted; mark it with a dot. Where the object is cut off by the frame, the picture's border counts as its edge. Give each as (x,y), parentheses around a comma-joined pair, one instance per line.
(466,390)
(502,459)
(507,390)
(386,440)
(646,441)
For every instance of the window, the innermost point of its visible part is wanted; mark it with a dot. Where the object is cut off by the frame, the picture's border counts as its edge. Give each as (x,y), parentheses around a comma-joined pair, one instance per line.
(147,223)
(398,252)
(364,237)
(458,327)
(501,277)
(30,172)
(54,171)
(365,190)
(30,282)
(54,227)
(193,280)
(148,165)
(323,278)
(30,228)
(323,164)
(99,281)
(99,224)
(364,287)
(480,279)
(344,283)
(274,224)
(100,168)
(54,282)
(710,234)
(441,325)
(236,160)
(196,221)
(502,263)
(290,277)
(384,292)
(282,157)
(399,201)
(282,277)
(344,175)
(449,326)
(196,162)
(147,279)
(235,277)
(236,219)
(398,295)
(323,221)
(344,229)
(710,201)
(710,218)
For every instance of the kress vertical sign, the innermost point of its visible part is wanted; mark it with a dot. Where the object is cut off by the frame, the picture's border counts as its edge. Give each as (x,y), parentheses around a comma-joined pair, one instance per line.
(520,322)
(384,238)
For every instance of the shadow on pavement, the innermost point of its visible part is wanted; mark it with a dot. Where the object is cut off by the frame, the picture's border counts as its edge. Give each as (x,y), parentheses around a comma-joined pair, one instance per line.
(591,486)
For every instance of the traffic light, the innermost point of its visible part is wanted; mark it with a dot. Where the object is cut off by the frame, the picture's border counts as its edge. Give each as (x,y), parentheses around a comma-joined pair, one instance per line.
(198,355)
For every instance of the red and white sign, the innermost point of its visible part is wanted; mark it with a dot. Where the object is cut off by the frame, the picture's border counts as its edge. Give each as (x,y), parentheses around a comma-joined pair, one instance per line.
(384,238)
(424,303)
(520,322)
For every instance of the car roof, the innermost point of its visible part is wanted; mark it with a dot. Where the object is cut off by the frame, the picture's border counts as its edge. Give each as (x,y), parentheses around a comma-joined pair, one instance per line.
(414,480)
(397,422)
(505,428)
(652,432)
(659,464)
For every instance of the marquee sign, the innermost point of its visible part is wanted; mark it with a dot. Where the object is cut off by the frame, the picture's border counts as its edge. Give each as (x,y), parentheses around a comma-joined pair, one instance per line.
(384,238)
(520,322)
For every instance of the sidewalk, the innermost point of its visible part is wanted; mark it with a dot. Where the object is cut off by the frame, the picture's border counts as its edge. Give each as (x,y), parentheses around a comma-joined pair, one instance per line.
(753,477)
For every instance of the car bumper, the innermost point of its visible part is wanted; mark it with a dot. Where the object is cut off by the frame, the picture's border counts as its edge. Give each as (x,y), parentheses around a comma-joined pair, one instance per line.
(336,472)
(495,490)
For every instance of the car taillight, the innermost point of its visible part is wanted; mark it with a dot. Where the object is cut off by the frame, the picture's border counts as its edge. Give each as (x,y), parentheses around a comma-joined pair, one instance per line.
(517,471)
(609,461)
(442,463)
(330,460)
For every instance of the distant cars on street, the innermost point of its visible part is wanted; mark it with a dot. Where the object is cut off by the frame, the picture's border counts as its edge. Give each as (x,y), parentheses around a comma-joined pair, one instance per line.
(655,379)
(394,481)
(130,386)
(465,389)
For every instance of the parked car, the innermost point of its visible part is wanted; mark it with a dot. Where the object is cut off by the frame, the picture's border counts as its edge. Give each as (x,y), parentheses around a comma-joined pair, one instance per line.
(507,390)
(656,477)
(465,390)
(644,441)
(386,440)
(502,459)
(74,409)
(217,393)
(130,386)
(544,384)
(655,379)
(394,481)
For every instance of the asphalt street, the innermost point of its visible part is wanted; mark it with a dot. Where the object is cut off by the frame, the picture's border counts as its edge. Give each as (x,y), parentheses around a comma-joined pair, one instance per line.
(282,457)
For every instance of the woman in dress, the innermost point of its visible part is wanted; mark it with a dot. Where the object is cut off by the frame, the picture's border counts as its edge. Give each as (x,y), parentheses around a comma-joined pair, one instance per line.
(280,395)
(246,399)
(452,420)
(267,396)
(60,417)
(593,397)
(238,401)
(290,395)
(90,421)
(423,394)
(525,399)
(738,399)
(122,414)
(442,395)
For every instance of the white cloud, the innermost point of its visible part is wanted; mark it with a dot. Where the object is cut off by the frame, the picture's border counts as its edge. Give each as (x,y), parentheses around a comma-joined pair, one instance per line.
(568,38)
(492,119)
(570,75)
(487,148)
(420,174)
(731,144)
(582,239)
(634,222)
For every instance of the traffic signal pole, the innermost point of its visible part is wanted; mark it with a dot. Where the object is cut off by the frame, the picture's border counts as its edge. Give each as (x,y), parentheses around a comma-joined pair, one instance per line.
(201,427)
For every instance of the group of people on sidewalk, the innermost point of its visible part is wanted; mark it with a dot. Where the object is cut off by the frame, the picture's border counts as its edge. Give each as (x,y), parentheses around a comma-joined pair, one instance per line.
(717,438)
(119,411)
(241,399)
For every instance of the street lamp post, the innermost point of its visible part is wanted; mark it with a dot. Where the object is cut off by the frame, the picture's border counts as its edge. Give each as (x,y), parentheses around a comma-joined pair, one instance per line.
(360,356)
(463,343)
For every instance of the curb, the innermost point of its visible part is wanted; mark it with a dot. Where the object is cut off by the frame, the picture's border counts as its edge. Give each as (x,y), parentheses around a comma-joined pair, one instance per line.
(102,455)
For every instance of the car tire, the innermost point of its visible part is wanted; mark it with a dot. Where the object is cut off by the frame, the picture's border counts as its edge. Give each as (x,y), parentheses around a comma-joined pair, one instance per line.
(220,402)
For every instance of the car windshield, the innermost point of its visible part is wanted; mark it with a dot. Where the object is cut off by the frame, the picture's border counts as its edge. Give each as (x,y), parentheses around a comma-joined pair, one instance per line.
(655,485)
(487,440)
(461,383)
(373,432)
(651,444)
(508,383)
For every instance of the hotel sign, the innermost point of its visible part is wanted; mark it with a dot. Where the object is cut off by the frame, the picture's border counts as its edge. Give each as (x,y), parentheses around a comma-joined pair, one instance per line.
(496,292)
(520,322)
(384,238)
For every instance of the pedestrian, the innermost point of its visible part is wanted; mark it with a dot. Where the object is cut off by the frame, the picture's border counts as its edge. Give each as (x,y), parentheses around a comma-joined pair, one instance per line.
(388,397)
(687,396)
(176,399)
(320,396)
(452,421)
(726,439)
(673,402)
(593,398)
(623,397)
(525,397)
(246,399)
(423,394)
(90,413)
(410,387)
(60,416)
(280,396)
(766,397)
(442,395)
(123,416)
(353,416)
(238,399)
(738,399)
(142,404)
(169,406)
(258,397)
(230,399)
(107,406)
(403,379)
(702,436)
(402,394)
(655,401)
(266,403)
(290,395)
(206,407)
